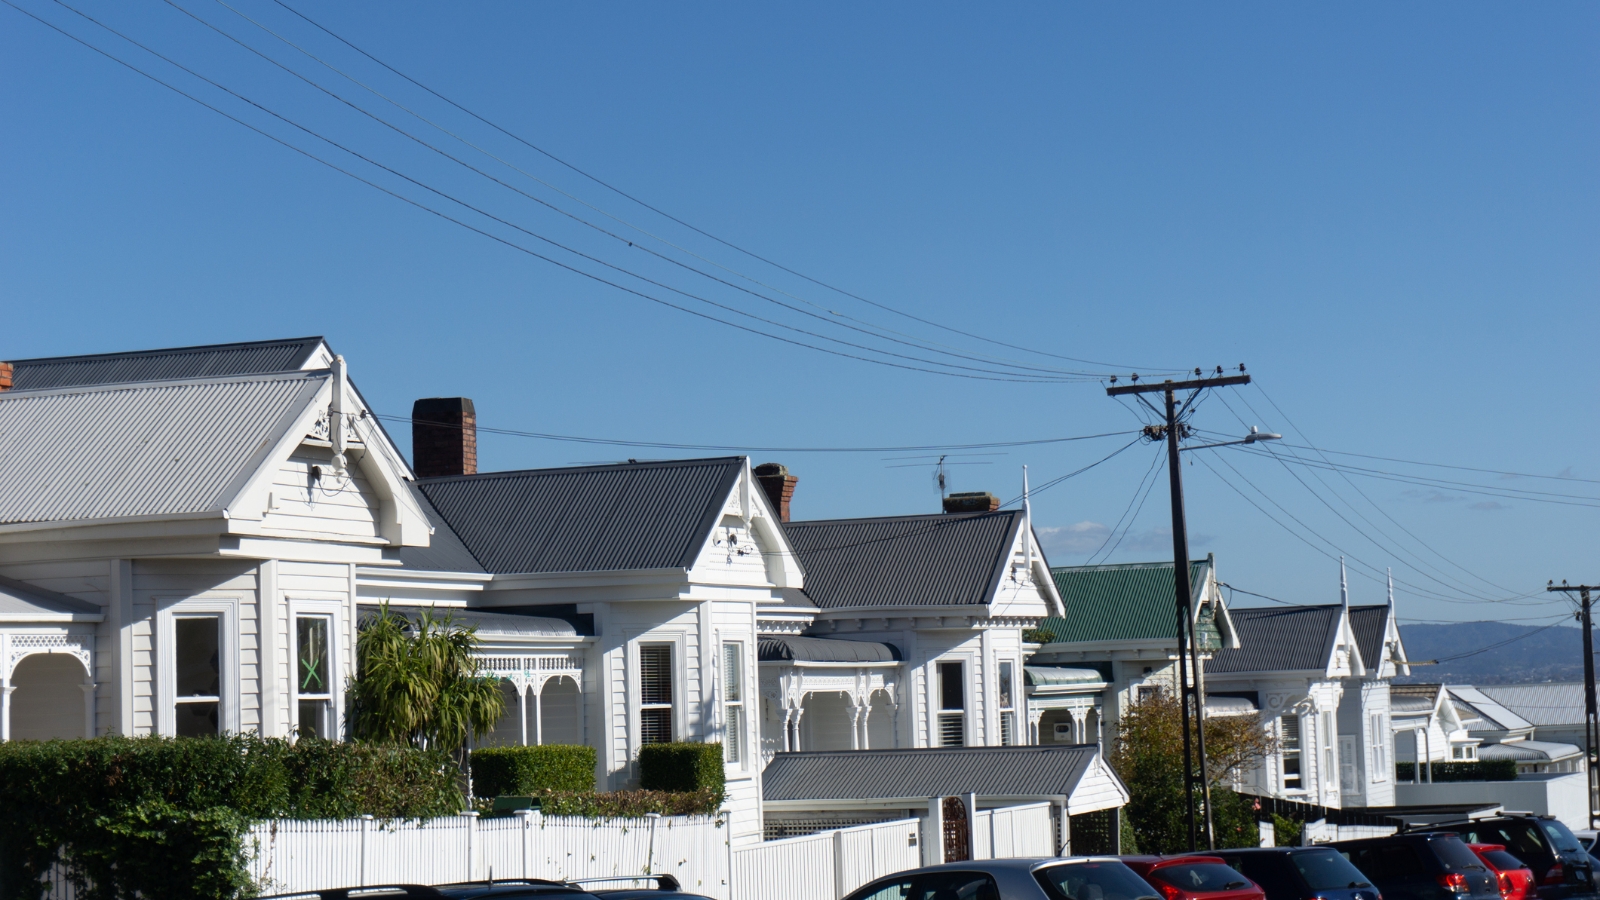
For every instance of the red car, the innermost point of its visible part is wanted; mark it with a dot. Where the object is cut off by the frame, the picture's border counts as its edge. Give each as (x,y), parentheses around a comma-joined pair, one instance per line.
(1191,877)
(1515,878)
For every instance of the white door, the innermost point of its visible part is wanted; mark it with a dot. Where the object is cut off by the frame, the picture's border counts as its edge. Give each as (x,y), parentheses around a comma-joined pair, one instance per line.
(1347,766)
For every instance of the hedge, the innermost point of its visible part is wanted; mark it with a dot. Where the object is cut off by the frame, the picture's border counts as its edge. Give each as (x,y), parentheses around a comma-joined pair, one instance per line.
(1482,770)
(525,771)
(682,768)
(144,816)
(628,804)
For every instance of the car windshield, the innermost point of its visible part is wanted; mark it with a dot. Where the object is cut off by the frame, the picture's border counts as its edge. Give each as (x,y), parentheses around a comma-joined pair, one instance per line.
(1453,854)
(1199,878)
(1560,835)
(1326,870)
(1093,881)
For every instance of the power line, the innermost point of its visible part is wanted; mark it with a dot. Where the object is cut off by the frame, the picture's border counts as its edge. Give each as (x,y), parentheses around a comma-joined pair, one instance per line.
(1526,634)
(480,231)
(1057,480)
(669,216)
(1140,494)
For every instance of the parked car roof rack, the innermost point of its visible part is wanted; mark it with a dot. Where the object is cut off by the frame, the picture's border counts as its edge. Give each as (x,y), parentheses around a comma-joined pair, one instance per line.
(374,892)
(663,882)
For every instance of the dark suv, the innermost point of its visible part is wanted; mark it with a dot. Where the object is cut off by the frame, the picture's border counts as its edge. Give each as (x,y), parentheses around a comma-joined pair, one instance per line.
(1561,868)
(1301,873)
(1422,866)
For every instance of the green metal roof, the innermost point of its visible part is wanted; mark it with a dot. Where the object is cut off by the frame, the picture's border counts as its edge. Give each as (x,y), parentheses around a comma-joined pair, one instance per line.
(1127,602)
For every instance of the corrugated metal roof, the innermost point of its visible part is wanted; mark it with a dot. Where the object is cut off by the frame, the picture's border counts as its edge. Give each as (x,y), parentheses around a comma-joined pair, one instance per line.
(140,450)
(1497,716)
(1551,703)
(1123,602)
(1529,751)
(949,559)
(1274,639)
(809,649)
(1368,624)
(936,772)
(646,515)
(22,602)
(445,552)
(252,358)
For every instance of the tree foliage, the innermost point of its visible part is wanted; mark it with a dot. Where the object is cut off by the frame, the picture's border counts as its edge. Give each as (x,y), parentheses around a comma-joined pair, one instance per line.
(1148,756)
(417,683)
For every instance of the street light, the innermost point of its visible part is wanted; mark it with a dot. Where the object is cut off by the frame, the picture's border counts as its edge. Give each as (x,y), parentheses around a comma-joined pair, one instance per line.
(1253,437)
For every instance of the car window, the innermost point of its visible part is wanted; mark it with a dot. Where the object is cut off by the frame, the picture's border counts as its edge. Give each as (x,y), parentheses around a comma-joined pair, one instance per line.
(1093,881)
(1388,862)
(1201,877)
(1454,855)
(1268,870)
(1326,870)
(955,886)
(893,889)
(1560,835)
(1520,839)
(1502,860)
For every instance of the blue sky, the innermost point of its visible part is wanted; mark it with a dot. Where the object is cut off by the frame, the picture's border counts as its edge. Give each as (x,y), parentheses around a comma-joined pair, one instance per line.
(1389,213)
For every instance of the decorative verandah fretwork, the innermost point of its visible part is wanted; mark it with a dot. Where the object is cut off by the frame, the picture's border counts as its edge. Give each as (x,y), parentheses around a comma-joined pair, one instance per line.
(528,676)
(17,645)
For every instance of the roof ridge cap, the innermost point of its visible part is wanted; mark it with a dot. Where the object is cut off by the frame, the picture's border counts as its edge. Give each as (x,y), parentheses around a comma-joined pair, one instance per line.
(160,350)
(906,516)
(508,473)
(109,387)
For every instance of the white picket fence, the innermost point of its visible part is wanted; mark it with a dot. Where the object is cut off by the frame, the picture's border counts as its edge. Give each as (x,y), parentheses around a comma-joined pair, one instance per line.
(290,856)
(1013,831)
(826,865)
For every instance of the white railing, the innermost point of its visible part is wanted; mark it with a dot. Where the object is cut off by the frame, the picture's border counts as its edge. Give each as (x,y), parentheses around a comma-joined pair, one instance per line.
(827,865)
(289,856)
(1013,831)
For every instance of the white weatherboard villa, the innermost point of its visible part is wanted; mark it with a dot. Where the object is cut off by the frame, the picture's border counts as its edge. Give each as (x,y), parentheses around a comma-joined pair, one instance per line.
(189,538)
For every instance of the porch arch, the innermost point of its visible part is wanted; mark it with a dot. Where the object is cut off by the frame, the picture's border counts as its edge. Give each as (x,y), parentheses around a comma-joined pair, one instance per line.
(48,695)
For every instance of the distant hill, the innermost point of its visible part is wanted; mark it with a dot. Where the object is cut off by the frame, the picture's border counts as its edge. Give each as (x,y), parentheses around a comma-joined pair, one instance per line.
(1554,654)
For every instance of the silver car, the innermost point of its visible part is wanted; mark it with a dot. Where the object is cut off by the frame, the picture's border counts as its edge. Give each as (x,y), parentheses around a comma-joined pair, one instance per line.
(1054,878)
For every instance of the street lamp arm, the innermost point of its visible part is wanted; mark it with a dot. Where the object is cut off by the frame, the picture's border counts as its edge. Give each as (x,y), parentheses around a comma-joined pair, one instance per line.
(1252,438)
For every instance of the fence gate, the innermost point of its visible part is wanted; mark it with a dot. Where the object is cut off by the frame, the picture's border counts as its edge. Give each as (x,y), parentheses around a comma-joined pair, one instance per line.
(957,830)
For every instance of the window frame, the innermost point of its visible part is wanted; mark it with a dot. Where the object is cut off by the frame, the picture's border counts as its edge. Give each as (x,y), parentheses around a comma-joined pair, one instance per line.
(334,611)
(960,715)
(733,708)
(168,610)
(1006,701)
(675,647)
(1380,762)
(1295,752)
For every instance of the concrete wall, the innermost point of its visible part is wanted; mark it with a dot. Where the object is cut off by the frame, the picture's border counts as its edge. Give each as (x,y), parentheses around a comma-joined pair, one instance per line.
(1559,795)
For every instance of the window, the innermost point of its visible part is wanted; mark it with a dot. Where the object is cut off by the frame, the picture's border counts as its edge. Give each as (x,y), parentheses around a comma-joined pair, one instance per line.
(1291,753)
(952,704)
(312,683)
(197,645)
(1380,762)
(1109,880)
(655,693)
(1144,693)
(1008,713)
(1327,749)
(964,885)
(893,889)
(733,703)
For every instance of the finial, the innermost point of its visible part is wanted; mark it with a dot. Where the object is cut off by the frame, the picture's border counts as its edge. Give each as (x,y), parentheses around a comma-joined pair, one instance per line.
(1344,589)
(1391,589)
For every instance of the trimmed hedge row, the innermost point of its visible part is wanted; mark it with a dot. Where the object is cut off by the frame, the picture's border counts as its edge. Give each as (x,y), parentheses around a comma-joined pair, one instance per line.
(525,771)
(166,817)
(628,804)
(682,767)
(1482,770)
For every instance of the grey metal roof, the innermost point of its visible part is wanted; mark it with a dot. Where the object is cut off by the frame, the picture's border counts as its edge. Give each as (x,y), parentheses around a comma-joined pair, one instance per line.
(1550,703)
(22,602)
(251,358)
(151,449)
(1528,751)
(1469,700)
(445,552)
(1368,623)
(1279,638)
(642,515)
(949,559)
(923,773)
(810,649)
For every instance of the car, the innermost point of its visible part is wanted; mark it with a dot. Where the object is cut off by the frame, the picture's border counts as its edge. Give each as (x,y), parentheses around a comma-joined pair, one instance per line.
(1194,877)
(1422,865)
(1049,878)
(1301,873)
(1516,879)
(507,889)
(1564,870)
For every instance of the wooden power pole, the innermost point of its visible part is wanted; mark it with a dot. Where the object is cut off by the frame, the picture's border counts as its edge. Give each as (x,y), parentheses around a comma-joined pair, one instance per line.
(1188,649)
(1591,719)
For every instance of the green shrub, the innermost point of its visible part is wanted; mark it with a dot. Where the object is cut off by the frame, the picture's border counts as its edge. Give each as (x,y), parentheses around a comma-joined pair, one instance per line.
(128,812)
(682,768)
(525,771)
(628,804)
(1481,770)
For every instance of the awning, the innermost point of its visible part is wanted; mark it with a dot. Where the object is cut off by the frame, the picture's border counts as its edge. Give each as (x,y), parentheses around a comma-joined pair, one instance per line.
(828,650)
(1529,751)
(1061,676)
(1230,706)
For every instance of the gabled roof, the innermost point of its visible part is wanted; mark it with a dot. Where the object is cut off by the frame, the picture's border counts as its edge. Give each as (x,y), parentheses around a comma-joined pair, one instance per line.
(947,559)
(22,602)
(926,772)
(251,358)
(1275,639)
(637,515)
(1370,624)
(1122,602)
(1550,703)
(141,450)
(1491,716)
(445,551)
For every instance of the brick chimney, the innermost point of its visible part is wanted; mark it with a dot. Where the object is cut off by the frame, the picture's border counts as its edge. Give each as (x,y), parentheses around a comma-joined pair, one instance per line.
(971,502)
(779,485)
(5,376)
(444,437)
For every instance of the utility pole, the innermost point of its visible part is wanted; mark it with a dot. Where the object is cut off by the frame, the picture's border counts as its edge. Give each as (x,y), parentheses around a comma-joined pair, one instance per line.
(1188,650)
(1591,719)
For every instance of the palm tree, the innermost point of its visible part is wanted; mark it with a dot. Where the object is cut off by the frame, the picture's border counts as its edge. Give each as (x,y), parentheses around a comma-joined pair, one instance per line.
(417,683)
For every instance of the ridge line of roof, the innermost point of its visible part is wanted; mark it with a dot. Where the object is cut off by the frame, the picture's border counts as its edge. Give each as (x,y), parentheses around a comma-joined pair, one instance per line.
(160,350)
(588,467)
(110,386)
(1111,567)
(906,517)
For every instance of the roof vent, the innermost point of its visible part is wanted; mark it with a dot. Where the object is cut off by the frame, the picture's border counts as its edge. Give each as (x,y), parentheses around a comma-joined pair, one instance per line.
(971,501)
